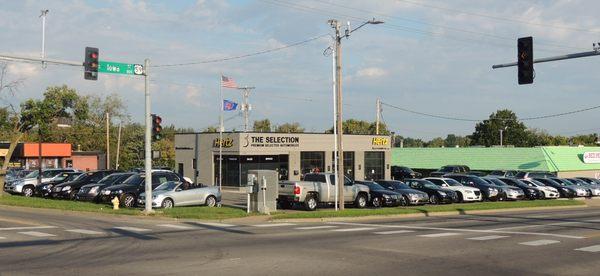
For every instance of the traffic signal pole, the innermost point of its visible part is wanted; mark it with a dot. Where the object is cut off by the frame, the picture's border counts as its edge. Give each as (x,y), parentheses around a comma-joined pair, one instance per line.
(554,58)
(147,142)
(45,60)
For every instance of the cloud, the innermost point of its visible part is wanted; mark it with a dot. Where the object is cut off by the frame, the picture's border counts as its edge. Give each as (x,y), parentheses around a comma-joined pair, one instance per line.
(24,70)
(371,73)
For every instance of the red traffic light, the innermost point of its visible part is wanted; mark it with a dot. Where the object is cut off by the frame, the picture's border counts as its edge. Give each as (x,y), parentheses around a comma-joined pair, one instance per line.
(94,55)
(157,119)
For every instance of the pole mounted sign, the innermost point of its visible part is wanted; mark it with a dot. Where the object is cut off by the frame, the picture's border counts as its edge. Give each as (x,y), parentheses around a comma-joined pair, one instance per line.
(121,68)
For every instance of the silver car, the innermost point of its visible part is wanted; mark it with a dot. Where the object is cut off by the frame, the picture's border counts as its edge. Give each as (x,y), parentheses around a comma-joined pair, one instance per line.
(170,194)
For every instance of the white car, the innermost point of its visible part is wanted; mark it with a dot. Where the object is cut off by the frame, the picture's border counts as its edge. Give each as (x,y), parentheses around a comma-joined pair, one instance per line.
(465,193)
(548,192)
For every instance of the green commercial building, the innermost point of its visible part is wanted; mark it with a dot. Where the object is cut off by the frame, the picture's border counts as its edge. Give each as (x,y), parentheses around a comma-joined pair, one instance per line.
(563,160)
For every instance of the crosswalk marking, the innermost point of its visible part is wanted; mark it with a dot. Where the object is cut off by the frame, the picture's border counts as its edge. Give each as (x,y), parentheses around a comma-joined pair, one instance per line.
(1,238)
(539,242)
(176,226)
(353,229)
(216,224)
(487,238)
(393,232)
(273,224)
(594,248)
(37,234)
(439,235)
(132,229)
(26,228)
(315,227)
(84,231)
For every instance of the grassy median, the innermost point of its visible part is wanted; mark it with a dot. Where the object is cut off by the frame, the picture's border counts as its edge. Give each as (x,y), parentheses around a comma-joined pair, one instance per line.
(427,209)
(199,212)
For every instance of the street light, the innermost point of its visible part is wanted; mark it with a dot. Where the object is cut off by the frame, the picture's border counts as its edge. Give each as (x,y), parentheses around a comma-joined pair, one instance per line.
(338,103)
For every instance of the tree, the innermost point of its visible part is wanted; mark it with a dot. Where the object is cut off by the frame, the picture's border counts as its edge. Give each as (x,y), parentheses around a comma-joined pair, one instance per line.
(454,140)
(353,126)
(437,142)
(289,128)
(262,126)
(487,133)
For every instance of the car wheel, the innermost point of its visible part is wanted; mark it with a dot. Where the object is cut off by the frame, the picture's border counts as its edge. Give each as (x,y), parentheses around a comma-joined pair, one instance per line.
(376,202)
(361,201)
(404,201)
(28,191)
(167,203)
(433,199)
(502,198)
(310,203)
(460,197)
(542,195)
(72,195)
(128,201)
(211,201)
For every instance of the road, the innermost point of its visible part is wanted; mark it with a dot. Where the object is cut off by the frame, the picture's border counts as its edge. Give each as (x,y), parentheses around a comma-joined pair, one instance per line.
(48,242)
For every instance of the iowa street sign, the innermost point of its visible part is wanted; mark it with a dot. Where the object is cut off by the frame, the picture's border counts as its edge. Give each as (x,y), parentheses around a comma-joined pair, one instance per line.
(120,68)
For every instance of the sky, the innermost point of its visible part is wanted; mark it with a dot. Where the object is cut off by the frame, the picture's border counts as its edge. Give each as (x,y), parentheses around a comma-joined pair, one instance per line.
(429,56)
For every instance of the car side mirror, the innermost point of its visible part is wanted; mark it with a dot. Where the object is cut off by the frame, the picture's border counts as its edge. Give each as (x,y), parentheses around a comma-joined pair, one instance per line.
(178,190)
(444,185)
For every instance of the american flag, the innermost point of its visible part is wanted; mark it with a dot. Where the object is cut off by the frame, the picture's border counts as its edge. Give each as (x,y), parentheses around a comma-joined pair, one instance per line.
(228,82)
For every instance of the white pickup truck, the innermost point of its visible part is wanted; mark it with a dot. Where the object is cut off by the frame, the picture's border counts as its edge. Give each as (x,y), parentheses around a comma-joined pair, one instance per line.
(319,188)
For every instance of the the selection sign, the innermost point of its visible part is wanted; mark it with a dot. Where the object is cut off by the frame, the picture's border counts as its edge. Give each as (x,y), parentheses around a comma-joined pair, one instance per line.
(120,68)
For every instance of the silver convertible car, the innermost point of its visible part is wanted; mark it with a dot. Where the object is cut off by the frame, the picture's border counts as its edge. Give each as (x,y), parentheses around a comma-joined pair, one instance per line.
(170,194)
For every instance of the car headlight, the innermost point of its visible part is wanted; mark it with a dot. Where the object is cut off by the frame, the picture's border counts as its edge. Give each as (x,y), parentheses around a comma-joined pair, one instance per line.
(565,190)
(119,191)
(531,190)
(66,188)
(413,196)
(442,193)
(94,190)
(105,192)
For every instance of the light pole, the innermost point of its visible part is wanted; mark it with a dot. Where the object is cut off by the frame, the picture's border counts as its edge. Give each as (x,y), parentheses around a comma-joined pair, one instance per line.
(501,132)
(338,95)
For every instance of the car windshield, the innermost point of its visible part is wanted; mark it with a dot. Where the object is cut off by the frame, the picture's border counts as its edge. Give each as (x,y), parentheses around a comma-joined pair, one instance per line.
(135,179)
(51,173)
(446,169)
(167,186)
(374,186)
(429,185)
(500,183)
(32,174)
(453,182)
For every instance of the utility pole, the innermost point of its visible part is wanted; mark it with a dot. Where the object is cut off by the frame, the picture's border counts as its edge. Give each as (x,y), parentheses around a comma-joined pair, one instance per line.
(107,141)
(118,146)
(501,130)
(245,105)
(378,106)
(336,152)
(147,142)
(43,16)
(39,154)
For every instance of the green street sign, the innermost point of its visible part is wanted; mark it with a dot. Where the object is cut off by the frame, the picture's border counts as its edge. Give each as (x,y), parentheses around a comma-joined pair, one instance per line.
(120,68)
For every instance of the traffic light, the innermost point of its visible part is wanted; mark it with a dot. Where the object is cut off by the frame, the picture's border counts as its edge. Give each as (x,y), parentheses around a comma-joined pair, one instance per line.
(525,60)
(91,63)
(156,128)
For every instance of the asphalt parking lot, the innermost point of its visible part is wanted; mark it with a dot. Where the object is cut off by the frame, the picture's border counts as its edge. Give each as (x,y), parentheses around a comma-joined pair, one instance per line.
(565,242)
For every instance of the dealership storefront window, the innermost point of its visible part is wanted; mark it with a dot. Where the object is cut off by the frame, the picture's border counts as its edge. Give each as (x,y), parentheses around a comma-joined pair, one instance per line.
(374,165)
(312,161)
(348,163)
(235,168)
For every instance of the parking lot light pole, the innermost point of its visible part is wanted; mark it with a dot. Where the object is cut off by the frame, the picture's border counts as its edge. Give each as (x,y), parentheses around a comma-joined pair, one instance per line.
(338,86)
(147,143)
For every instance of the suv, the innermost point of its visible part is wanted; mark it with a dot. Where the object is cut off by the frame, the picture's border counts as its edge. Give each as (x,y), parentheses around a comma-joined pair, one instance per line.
(402,172)
(488,191)
(26,186)
(130,189)
(450,169)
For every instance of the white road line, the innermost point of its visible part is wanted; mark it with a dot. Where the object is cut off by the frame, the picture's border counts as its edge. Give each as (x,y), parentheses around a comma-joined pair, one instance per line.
(593,220)
(273,224)
(216,224)
(84,231)
(316,227)
(458,230)
(594,248)
(1,238)
(132,229)
(176,226)
(487,238)
(353,229)
(539,242)
(537,225)
(26,228)
(393,232)
(37,234)
(439,235)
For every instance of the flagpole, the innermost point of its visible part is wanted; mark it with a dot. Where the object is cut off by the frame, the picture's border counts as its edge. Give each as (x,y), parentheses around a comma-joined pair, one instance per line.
(221,133)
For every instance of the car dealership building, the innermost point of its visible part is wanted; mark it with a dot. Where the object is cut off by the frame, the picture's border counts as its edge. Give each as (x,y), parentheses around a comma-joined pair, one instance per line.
(291,154)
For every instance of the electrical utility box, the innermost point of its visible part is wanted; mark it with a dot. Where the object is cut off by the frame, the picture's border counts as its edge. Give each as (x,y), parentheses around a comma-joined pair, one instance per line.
(263,190)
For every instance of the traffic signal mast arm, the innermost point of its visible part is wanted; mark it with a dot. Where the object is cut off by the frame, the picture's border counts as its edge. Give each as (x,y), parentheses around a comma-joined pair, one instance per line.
(46,60)
(547,59)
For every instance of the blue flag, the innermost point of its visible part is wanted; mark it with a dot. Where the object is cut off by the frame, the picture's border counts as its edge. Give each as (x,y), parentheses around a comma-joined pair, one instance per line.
(229,105)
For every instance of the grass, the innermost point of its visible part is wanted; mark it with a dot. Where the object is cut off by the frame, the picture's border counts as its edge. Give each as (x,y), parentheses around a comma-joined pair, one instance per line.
(200,212)
(464,207)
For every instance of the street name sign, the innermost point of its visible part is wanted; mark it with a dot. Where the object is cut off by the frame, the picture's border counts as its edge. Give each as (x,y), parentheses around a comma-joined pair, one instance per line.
(120,68)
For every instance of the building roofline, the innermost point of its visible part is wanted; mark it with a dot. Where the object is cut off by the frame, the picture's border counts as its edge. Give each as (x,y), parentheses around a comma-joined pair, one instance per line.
(254,132)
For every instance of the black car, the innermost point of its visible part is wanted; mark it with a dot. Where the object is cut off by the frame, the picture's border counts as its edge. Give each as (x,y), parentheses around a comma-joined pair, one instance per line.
(411,196)
(69,189)
(590,180)
(503,173)
(565,191)
(130,189)
(45,189)
(530,191)
(489,191)
(436,194)
(582,191)
(534,174)
(91,192)
(381,196)
(402,172)
(450,169)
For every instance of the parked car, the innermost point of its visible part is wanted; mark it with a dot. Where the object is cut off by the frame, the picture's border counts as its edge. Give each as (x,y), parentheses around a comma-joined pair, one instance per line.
(503,173)
(581,191)
(172,193)
(436,194)
(70,189)
(464,193)
(590,180)
(411,196)
(381,197)
(592,188)
(547,192)
(565,191)
(91,192)
(506,192)
(402,172)
(488,191)
(534,174)
(450,169)
(45,189)
(26,186)
(16,173)
(319,188)
(477,173)
(130,189)
(530,191)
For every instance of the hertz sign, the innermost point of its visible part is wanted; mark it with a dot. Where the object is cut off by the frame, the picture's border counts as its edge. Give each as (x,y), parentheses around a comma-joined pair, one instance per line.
(225,143)
(380,141)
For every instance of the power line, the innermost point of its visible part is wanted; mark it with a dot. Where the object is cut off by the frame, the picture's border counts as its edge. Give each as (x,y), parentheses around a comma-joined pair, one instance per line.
(244,55)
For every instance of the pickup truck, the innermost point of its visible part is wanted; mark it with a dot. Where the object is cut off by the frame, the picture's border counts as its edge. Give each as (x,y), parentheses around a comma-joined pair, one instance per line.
(319,188)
